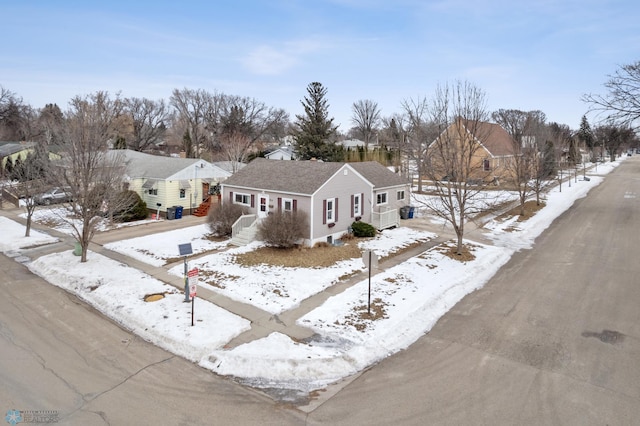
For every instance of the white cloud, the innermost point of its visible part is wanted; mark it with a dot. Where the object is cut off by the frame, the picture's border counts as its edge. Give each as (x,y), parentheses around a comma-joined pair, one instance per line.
(269,61)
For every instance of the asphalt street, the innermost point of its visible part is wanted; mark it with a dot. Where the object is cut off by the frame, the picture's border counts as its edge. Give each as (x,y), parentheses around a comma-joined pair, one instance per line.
(59,354)
(553,338)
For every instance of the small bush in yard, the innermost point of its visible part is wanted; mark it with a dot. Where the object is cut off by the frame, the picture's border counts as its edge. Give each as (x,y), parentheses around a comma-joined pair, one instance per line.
(283,229)
(129,207)
(362,229)
(221,218)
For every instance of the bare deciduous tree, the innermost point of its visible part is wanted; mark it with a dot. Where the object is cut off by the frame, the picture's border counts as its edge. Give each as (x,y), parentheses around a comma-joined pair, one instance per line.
(459,113)
(51,124)
(194,110)
(394,136)
(148,122)
(242,122)
(28,179)
(419,132)
(622,103)
(366,119)
(525,171)
(613,137)
(16,118)
(92,173)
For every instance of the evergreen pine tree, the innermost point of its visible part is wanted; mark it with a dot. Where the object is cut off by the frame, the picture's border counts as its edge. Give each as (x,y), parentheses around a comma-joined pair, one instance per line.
(120,143)
(549,158)
(585,133)
(315,131)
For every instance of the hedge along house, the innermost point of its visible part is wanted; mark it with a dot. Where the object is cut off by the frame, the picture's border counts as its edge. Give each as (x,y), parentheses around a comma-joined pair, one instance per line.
(164,182)
(333,195)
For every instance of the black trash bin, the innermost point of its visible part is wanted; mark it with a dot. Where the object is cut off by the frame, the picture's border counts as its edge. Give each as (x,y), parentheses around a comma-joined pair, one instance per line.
(178,211)
(411,210)
(404,212)
(171,213)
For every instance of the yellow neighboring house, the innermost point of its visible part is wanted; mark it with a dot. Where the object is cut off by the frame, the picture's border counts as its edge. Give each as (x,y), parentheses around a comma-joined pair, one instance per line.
(164,182)
(12,151)
(489,148)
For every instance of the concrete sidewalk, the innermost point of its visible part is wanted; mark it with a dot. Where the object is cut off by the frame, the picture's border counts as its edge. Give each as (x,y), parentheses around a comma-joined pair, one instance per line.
(263,323)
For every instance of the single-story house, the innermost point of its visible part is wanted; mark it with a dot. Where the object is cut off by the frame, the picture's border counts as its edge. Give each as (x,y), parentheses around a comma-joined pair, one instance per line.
(333,195)
(280,153)
(18,151)
(14,151)
(164,182)
(357,143)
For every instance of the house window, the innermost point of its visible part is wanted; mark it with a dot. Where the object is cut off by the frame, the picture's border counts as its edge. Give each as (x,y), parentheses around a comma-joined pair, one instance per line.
(357,205)
(400,195)
(153,191)
(263,204)
(381,198)
(287,204)
(330,210)
(183,193)
(486,165)
(244,199)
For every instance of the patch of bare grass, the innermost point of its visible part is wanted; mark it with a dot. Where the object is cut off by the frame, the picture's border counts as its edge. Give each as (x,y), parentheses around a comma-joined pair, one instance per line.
(451,250)
(361,318)
(300,257)
(216,278)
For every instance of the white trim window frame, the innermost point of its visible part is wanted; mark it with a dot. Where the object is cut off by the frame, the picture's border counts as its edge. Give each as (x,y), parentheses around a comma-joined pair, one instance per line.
(242,199)
(330,214)
(400,195)
(357,204)
(287,205)
(381,198)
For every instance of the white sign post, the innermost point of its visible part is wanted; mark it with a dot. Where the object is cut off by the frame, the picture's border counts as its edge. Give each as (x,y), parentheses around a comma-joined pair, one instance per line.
(193,287)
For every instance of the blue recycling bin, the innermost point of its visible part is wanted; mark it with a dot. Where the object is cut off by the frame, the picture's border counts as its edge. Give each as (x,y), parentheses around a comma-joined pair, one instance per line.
(411,210)
(178,211)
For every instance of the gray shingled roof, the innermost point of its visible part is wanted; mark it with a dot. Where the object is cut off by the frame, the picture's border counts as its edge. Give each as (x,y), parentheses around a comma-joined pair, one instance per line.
(378,175)
(8,148)
(140,164)
(304,177)
(300,177)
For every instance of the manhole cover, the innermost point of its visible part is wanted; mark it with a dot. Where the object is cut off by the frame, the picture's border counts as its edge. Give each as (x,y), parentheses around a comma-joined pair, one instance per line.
(153,297)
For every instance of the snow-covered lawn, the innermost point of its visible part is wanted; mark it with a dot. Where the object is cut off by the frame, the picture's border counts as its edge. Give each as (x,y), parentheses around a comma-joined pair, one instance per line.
(407,299)
(154,249)
(276,289)
(118,291)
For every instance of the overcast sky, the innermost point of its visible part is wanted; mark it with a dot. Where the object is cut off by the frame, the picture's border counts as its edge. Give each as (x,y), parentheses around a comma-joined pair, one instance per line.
(537,54)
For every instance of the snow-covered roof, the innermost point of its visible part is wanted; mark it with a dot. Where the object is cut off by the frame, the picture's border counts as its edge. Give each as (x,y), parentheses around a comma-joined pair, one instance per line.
(141,165)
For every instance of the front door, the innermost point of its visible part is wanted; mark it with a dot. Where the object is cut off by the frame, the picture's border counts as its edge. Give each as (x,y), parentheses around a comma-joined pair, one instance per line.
(205,190)
(263,205)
